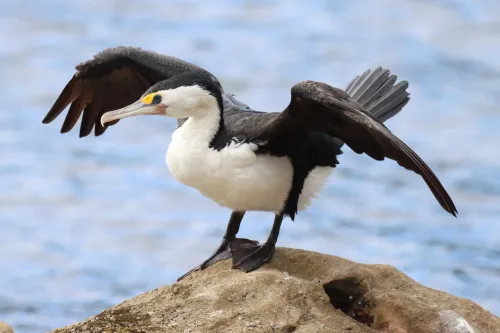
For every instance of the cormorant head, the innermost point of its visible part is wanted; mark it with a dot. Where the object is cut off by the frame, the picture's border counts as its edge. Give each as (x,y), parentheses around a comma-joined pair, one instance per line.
(192,94)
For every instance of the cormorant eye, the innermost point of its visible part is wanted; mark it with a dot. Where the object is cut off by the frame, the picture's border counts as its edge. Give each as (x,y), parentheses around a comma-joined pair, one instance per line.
(156,99)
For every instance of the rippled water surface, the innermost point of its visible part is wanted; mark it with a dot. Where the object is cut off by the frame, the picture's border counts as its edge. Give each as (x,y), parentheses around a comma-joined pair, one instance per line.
(87,223)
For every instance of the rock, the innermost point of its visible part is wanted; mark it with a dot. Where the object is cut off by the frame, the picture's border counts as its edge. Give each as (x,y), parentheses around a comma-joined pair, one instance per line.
(300,292)
(5,328)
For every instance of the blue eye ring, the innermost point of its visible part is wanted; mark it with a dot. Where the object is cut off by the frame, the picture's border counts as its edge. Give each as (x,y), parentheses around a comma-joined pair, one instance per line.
(156,99)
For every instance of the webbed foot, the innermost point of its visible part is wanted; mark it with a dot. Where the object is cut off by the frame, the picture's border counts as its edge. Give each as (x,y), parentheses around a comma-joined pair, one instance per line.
(249,257)
(223,252)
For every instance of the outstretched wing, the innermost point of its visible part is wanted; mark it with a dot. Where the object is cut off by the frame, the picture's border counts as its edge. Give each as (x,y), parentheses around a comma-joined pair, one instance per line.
(316,106)
(114,78)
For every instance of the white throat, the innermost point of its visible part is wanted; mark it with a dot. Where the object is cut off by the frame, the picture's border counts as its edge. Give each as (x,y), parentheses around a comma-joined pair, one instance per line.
(200,130)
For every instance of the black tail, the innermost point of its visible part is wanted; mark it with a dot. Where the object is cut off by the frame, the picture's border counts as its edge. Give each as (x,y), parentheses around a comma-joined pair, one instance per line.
(377,92)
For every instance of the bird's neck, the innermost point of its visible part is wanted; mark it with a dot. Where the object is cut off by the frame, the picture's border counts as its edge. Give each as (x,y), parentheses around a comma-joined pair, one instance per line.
(203,129)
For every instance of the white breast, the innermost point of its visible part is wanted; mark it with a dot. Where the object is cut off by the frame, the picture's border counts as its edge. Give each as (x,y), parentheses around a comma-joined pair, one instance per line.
(235,177)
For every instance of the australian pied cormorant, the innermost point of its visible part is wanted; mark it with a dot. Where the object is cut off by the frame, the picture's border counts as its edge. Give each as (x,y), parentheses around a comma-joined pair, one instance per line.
(240,158)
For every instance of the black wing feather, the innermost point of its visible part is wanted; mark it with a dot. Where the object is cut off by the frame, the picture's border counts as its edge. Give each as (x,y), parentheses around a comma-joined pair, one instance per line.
(316,106)
(91,112)
(114,78)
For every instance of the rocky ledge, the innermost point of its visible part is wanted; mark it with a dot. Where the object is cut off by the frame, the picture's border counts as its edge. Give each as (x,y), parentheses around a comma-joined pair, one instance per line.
(299,291)
(4,328)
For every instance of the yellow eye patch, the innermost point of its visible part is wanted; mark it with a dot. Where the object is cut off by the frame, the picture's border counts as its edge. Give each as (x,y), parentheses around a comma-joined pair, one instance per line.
(152,99)
(148,99)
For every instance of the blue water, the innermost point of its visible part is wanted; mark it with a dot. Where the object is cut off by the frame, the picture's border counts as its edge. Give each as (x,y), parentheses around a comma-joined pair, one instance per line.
(87,223)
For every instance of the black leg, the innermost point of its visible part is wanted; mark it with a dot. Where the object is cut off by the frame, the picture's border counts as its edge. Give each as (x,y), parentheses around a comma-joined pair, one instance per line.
(233,226)
(249,257)
(223,251)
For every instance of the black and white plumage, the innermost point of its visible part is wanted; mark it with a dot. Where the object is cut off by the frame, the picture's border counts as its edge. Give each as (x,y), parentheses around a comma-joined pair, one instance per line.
(240,158)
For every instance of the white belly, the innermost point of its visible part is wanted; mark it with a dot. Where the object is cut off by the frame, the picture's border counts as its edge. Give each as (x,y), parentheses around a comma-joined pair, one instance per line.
(236,177)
